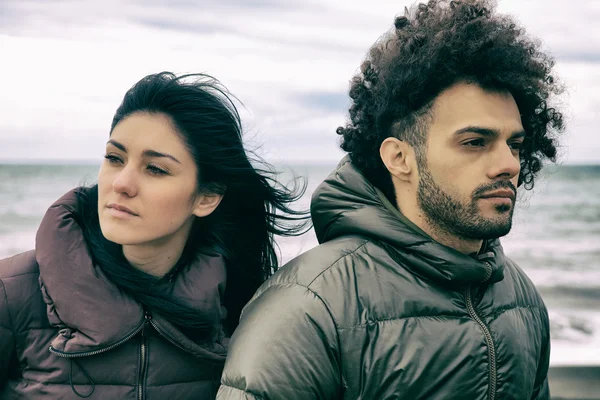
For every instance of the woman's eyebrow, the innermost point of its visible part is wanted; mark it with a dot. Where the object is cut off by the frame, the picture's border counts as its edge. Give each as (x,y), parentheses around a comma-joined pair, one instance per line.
(145,153)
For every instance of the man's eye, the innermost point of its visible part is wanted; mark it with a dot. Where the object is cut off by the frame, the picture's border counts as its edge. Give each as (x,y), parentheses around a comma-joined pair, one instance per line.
(516,145)
(474,143)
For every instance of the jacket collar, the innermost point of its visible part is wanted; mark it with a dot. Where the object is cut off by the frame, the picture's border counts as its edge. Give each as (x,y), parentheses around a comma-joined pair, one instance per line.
(91,312)
(347,204)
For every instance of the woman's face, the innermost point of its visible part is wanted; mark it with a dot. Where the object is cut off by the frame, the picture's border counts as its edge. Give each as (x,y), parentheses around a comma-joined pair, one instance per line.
(147,185)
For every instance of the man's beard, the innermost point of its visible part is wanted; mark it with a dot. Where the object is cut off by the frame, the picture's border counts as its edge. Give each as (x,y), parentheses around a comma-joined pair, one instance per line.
(464,220)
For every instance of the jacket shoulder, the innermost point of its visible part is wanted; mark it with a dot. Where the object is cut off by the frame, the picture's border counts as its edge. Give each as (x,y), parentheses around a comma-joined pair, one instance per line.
(21,302)
(524,287)
(20,264)
(307,267)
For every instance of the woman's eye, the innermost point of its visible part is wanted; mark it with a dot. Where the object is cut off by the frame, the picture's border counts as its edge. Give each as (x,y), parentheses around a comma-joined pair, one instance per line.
(112,159)
(156,171)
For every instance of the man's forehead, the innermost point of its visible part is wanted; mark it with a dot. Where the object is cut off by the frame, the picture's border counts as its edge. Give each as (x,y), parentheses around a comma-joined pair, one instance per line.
(463,105)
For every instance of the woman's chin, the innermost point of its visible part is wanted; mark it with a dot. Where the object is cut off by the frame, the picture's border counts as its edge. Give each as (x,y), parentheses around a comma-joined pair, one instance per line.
(119,235)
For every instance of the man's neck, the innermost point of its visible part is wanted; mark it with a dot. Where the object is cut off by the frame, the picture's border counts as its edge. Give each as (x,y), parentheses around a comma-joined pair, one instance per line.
(465,246)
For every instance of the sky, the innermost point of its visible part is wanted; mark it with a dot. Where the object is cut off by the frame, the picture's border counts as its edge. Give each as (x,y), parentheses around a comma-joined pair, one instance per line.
(66,64)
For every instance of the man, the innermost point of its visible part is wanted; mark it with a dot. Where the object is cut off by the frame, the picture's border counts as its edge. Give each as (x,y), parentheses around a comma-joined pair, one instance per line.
(409,295)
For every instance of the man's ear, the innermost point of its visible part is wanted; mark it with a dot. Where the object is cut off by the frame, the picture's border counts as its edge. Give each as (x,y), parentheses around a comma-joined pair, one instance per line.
(205,204)
(399,158)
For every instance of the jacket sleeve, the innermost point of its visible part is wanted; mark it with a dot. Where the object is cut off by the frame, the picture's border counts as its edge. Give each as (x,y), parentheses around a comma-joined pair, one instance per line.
(541,390)
(7,337)
(285,348)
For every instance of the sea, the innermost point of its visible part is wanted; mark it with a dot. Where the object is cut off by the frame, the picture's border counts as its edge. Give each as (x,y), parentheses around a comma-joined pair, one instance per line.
(555,237)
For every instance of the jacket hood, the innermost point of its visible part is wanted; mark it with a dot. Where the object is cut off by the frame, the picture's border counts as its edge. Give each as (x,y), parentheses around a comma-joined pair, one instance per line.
(92,312)
(347,204)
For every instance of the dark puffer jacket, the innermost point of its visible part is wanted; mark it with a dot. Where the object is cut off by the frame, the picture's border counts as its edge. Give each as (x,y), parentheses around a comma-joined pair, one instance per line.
(381,311)
(66,329)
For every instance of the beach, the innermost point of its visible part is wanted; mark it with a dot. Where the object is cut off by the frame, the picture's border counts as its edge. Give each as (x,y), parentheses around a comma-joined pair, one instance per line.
(575,382)
(555,239)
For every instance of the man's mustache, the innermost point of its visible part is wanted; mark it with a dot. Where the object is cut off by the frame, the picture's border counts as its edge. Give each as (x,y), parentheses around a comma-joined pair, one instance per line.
(482,190)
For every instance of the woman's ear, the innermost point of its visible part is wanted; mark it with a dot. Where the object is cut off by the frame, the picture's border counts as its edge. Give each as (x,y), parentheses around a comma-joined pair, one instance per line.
(205,204)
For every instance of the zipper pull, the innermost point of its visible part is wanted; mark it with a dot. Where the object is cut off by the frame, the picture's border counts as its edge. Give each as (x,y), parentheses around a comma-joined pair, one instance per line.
(147,319)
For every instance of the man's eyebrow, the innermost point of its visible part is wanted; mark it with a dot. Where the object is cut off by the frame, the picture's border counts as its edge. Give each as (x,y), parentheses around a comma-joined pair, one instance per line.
(488,132)
(518,135)
(145,153)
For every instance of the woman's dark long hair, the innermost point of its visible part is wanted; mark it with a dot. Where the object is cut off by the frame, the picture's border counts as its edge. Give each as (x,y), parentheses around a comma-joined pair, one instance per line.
(254,208)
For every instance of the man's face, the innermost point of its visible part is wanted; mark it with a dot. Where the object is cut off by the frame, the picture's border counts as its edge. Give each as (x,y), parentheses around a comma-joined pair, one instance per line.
(468,179)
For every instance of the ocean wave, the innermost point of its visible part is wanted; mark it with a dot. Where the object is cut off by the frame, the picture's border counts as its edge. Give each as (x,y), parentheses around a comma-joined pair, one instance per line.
(574,336)
(572,297)
(16,220)
(571,328)
(577,275)
(15,243)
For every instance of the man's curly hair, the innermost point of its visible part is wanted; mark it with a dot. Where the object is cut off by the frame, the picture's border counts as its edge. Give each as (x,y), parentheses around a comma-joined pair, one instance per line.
(430,48)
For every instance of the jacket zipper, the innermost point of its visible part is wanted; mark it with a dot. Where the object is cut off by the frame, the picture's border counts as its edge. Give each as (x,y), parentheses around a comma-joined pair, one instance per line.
(143,349)
(99,351)
(489,341)
(161,333)
(143,355)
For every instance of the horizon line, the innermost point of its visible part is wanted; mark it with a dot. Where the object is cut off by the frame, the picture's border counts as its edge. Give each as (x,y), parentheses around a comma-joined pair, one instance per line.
(88,162)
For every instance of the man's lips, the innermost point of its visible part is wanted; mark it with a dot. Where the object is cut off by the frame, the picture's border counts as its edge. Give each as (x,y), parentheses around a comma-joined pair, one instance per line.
(501,193)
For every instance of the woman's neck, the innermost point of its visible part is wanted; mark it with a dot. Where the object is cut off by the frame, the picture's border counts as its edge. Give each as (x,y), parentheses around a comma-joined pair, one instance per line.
(154,258)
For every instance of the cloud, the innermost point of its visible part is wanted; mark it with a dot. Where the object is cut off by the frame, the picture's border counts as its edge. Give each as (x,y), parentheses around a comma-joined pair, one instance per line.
(67,63)
(325,101)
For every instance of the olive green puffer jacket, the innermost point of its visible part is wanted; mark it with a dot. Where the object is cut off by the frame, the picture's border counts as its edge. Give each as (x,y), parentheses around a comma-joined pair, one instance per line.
(381,311)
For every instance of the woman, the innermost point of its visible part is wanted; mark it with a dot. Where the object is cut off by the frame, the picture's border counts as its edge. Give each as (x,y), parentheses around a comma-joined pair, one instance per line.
(136,283)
